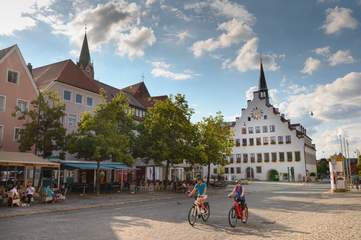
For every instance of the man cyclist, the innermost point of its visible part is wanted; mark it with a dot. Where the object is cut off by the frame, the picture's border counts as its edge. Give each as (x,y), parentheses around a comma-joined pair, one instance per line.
(200,189)
(239,195)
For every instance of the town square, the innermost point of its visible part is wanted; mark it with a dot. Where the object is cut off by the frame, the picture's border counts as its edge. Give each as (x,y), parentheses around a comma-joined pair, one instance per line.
(162,119)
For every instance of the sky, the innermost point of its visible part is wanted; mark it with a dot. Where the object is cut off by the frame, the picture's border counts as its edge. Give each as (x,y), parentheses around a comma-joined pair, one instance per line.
(209,50)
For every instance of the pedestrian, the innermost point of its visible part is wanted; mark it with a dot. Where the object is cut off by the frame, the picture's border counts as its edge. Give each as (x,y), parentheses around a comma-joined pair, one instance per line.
(30,190)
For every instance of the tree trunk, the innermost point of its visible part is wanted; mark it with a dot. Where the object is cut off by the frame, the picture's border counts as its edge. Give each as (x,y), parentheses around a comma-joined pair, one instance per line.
(98,178)
(208,173)
(153,175)
(166,175)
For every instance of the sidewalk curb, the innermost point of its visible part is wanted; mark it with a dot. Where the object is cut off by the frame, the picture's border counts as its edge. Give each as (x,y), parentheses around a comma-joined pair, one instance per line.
(69,209)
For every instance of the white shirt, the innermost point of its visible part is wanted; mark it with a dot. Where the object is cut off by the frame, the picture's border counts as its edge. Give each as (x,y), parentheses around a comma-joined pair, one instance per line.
(30,190)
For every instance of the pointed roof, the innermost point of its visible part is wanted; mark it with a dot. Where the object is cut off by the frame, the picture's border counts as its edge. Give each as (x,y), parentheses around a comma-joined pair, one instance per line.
(262,79)
(84,58)
(65,72)
(5,51)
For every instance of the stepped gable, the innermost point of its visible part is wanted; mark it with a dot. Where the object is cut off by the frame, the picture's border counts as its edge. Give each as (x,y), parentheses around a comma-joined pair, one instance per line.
(66,72)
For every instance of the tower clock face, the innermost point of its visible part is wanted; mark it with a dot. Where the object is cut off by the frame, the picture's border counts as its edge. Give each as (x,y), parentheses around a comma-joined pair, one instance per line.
(256,113)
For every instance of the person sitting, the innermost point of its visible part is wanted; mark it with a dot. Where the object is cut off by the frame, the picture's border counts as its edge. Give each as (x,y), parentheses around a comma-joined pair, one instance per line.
(13,197)
(239,196)
(29,193)
(200,189)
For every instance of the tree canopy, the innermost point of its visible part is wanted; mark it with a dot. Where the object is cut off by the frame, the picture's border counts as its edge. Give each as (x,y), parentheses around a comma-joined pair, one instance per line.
(43,127)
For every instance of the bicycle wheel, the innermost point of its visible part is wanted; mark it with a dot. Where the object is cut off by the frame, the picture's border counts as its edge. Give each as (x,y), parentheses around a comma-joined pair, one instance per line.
(232,217)
(192,215)
(205,216)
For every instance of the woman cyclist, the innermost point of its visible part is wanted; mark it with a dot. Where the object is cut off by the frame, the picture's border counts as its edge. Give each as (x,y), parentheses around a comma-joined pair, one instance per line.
(239,195)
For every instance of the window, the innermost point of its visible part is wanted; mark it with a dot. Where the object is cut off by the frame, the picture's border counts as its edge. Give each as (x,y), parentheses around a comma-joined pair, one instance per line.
(231,142)
(250,130)
(13,77)
(274,157)
(232,170)
(289,156)
(226,170)
(265,129)
(22,105)
(238,170)
(72,120)
(245,157)
(280,139)
(266,157)
(258,129)
(297,156)
(67,95)
(238,157)
(17,134)
(282,156)
(89,101)
(288,139)
(251,141)
(253,157)
(244,142)
(264,117)
(273,140)
(272,128)
(258,169)
(1,134)
(244,130)
(237,143)
(259,157)
(231,159)
(249,119)
(265,140)
(258,141)
(79,98)
(214,170)
(2,103)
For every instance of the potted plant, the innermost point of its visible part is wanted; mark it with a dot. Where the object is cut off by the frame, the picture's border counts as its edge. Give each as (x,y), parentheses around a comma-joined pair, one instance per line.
(313,176)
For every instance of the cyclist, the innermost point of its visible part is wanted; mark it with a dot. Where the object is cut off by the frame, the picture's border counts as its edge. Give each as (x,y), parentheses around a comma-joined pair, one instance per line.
(239,196)
(201,189)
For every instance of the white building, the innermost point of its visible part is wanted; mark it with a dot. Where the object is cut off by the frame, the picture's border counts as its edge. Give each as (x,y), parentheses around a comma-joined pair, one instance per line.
(264,140)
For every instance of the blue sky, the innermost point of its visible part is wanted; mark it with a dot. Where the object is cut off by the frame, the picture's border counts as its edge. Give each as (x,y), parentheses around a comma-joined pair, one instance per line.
(209,50)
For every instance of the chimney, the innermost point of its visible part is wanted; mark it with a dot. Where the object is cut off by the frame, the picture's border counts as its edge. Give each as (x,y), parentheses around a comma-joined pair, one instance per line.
(30,67)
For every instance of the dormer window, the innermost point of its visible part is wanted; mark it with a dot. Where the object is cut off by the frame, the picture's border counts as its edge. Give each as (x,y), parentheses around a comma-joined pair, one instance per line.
(13,77)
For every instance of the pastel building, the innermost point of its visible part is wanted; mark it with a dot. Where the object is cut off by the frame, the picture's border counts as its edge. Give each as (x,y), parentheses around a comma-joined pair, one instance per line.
(17,88)
(267,144)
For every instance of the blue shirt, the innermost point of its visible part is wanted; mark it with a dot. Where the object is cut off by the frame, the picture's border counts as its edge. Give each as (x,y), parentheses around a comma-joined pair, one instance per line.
(200,188)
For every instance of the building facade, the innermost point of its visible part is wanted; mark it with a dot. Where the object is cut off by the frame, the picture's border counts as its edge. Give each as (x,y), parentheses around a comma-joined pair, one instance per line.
(17,88)
(266,145)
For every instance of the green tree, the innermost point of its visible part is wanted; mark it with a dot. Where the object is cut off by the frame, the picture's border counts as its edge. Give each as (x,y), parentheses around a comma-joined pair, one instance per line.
(43,128)
(105,134)
(167,132)
(215,141)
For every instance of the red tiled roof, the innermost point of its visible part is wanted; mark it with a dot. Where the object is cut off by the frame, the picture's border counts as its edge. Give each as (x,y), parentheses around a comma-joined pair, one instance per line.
(65,72)
(4,51)
(112,92)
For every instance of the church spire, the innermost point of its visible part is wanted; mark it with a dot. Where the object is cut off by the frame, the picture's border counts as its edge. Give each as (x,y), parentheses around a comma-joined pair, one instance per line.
(84,62)
(84,58)
(262,86)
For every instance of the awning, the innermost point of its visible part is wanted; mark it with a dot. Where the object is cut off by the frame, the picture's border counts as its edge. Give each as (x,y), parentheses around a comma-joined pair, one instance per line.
(24,159)
(92,165)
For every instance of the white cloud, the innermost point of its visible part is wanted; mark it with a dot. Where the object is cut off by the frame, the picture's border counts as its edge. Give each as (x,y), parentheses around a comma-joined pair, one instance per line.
(248,58)
(134,42)
(177,37)
(150,2)
(339,18)
(234,32)
(323,51)
(116,22)
(340,57)
(21,15)
(339,99)
(162,69)
(249,92)
(183,35)
(175,11)
(311,65)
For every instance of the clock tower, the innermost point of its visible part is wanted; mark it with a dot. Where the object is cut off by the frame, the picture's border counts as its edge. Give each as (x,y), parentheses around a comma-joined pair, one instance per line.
(84,62)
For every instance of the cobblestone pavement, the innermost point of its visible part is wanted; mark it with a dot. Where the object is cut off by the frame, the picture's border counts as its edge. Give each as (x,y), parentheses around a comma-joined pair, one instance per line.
(277,211)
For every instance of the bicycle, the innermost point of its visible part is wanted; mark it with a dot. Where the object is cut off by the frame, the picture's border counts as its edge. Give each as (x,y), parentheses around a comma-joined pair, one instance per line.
(236,212)
(196,212)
